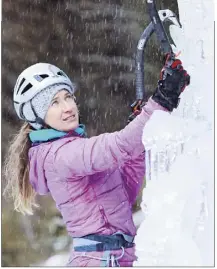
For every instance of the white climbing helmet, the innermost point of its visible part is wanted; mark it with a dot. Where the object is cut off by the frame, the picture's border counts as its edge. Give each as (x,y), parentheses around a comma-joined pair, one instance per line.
(35,79)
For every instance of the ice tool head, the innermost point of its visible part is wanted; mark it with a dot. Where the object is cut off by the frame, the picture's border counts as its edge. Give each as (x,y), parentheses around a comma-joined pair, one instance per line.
(167,15)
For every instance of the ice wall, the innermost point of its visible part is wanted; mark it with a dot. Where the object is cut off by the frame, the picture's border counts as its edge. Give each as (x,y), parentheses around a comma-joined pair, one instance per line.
(178,229)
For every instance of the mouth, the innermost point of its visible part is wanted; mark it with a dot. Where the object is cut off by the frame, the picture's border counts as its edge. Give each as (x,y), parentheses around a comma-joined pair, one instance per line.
(70,118)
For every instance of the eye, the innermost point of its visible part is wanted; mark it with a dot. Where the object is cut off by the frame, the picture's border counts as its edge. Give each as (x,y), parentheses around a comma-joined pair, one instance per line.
(70,97)
(55,102)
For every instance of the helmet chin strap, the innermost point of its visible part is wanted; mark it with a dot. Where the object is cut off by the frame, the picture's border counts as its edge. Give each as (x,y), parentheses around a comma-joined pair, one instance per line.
(37,118)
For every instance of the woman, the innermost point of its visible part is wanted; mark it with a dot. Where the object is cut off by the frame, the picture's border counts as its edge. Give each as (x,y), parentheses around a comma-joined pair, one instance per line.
(94,181)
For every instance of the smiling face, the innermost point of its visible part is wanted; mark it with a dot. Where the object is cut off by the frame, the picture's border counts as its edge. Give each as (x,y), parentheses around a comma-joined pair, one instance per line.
(62,114)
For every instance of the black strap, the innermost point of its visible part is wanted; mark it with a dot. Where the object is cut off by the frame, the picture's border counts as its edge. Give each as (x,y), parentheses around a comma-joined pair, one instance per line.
(107,242)
(37,118)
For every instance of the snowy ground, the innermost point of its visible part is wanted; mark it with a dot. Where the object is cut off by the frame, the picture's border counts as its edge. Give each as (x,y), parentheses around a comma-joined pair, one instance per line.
(178,229)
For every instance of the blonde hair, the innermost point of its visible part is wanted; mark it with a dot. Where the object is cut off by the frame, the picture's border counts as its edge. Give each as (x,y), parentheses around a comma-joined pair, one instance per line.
(16,172)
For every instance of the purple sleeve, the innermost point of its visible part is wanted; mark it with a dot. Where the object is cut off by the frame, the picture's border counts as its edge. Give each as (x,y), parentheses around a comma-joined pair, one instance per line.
(86,156)
(133,173)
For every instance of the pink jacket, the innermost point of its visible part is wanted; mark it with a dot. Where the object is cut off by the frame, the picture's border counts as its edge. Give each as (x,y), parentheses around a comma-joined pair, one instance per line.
(94,181)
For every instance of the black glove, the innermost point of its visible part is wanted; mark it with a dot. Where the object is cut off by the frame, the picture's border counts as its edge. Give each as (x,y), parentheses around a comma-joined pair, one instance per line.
(173,81)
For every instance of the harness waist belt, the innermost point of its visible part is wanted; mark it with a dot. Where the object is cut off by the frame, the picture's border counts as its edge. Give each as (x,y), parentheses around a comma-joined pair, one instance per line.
(96,242)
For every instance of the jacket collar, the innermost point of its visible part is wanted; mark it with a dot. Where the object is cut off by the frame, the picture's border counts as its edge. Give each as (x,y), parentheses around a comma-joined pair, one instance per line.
(45,135)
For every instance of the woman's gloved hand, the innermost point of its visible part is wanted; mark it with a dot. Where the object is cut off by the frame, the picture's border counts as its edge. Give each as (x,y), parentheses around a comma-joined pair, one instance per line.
(172,83)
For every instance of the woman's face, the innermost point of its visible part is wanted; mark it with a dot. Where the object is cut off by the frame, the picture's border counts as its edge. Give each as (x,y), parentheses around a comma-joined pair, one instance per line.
(62,114)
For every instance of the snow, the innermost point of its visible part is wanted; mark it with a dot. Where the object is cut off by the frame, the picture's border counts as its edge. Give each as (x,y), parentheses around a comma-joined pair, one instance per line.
(178,203)
(56,260)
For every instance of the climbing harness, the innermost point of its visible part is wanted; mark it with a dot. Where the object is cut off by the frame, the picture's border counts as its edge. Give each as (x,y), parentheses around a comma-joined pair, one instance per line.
(104,243)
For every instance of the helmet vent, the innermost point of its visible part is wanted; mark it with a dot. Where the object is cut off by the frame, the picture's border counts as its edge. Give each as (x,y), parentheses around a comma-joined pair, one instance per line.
(28,86)
(61,73)
(44,76)
(21,83)
(39,78)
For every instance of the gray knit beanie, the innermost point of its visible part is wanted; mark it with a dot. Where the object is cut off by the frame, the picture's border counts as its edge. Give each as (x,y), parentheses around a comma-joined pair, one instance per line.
(41,103)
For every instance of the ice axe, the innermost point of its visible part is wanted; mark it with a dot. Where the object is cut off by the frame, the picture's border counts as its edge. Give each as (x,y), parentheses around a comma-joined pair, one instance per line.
(156,25)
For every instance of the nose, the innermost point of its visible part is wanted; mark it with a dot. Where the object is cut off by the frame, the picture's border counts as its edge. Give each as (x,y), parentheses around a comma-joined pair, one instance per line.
(68,107)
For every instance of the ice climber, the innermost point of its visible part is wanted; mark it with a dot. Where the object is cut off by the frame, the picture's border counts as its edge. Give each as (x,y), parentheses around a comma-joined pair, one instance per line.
(93,181)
